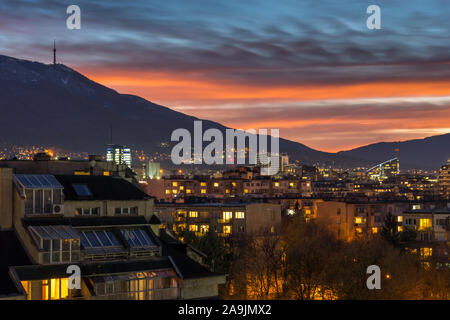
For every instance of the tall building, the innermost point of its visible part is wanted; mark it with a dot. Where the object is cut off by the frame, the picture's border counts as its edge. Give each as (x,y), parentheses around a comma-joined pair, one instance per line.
(119,154)
(444,180)
(153,170)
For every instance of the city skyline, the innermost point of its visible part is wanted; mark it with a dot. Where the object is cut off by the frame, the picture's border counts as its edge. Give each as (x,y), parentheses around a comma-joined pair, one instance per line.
(313,70)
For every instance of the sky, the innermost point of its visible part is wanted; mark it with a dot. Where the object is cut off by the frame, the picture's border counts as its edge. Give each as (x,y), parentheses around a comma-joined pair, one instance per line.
(309,68)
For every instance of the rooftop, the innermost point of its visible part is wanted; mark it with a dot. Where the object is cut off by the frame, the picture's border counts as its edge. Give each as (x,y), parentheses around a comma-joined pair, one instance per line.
(99,188)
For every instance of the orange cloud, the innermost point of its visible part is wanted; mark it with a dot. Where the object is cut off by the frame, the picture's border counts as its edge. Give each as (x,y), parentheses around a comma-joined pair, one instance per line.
(167,88)
(203,95)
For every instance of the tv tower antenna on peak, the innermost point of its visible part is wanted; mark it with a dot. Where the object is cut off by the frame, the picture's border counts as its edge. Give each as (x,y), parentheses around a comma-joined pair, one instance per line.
(54,52)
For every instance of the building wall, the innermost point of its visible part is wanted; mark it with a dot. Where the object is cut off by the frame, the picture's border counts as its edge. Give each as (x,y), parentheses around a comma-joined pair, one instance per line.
(107,207)
(262,216)
(6,198)
(336,217)
(201,288)
(24,235)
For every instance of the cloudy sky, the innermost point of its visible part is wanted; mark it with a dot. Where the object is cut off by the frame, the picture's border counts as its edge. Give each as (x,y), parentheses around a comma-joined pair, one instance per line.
(310,68)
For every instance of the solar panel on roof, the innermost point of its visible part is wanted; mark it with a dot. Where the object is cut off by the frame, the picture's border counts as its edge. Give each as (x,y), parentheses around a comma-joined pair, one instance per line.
(38,181)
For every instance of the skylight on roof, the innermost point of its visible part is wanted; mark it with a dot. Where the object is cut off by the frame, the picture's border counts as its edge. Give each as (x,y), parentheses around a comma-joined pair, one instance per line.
(82,190)
(137,238)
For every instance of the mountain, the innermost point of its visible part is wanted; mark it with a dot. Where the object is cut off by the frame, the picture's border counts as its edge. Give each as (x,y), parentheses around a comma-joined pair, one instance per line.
(55,106)
(431,152)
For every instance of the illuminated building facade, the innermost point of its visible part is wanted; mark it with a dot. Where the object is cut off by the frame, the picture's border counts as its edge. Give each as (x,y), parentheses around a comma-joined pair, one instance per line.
(444,180)
(432,227)
(119,154)
(384,170)
(227,220)
(153,170)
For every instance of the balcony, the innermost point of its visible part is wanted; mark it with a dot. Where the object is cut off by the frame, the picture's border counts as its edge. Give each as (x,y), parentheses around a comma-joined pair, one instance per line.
(156,294)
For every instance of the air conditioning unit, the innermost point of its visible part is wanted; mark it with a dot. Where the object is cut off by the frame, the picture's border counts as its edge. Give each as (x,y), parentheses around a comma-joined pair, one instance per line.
(58,209)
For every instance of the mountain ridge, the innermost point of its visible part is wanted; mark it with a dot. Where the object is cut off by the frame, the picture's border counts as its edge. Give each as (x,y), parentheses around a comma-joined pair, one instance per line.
(58,106)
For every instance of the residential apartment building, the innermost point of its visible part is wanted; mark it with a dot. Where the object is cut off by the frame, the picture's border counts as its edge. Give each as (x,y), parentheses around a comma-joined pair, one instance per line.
(177,188)
(432,226)
(228,220)
(100,224)
(350,219)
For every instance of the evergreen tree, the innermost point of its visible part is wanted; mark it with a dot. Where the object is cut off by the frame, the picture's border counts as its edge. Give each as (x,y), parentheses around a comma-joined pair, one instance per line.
(390,230)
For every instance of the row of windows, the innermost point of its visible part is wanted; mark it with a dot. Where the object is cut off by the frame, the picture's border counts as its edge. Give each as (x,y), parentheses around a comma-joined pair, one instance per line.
(205,228)
(226,215)
(132,210)
(136,285)
(41,200)
(52,289)
(96,211)
(87,211)
(423,223)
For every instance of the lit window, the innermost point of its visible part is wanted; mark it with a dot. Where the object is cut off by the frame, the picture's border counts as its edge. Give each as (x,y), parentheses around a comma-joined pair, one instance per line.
(188,190)
(227,229)
(277,184)
(239,215)
(203,191)
(358,220)
(426,252)
(203,184)
(291,184)
(227,191)
(216,184)
(358,230)
(204,228)
(167,191)
(82,173)
(374,230)
(181,187)
(227,215)
(399,219)
(193,227)
(400,228)
(174,191)
(424,224)
(233,184)
(245,190)
(174,184)
(193,214)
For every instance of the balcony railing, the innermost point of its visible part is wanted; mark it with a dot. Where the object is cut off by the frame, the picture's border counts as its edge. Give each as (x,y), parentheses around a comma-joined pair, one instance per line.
(156,294)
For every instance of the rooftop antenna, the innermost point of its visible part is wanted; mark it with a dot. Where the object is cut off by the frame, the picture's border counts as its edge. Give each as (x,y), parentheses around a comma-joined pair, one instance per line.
(54,52)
